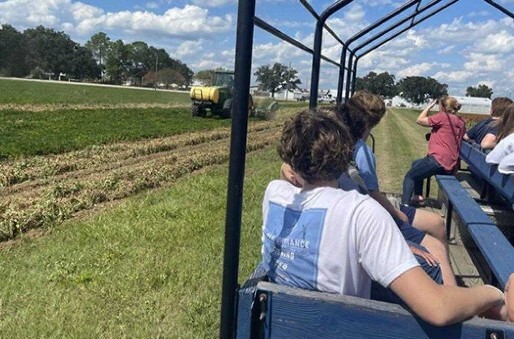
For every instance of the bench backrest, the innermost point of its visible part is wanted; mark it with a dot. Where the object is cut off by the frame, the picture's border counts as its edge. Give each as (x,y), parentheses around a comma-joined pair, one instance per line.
(495,248)
(475,158)
(285,312)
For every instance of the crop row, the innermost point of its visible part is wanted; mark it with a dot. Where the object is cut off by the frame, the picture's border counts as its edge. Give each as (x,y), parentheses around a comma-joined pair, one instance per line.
(56,187)
(104,157)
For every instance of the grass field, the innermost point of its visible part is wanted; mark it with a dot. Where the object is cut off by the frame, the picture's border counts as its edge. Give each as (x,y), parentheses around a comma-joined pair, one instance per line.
(17,92)
(147,262)
(149,266)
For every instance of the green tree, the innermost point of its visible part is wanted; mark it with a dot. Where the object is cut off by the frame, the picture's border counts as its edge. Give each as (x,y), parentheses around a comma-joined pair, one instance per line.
(169,76)
(99,44)
(50,50)
(118,62)
(418,89)
(13,52)
(382,84)
(205,77)
(482,91)
(276,77)
(82,65)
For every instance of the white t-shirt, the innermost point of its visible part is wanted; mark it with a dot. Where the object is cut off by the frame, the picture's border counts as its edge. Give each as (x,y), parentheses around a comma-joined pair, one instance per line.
(330,240)
(500,151)
(506,165)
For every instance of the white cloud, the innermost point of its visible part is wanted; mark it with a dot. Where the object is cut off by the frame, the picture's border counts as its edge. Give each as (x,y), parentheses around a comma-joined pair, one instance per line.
(189,22)
(188,48)
(482,62)
(415,70)
(455,76)
(501,42)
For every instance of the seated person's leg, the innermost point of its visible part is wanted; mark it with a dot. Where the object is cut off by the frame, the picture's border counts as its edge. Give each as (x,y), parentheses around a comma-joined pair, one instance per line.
(426,221)
(440,251)
(437,248)
(509,298)
(380,293)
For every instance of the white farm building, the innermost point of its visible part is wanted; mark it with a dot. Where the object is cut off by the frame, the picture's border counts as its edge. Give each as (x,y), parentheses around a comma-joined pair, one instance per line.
(469,104)
(474,105)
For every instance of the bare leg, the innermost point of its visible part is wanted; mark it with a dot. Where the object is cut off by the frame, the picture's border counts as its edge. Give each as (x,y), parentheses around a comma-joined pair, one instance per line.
(440,251)
(431,223)
(509,298)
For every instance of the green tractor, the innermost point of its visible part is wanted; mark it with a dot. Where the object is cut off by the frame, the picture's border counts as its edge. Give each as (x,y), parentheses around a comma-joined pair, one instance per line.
(218,98)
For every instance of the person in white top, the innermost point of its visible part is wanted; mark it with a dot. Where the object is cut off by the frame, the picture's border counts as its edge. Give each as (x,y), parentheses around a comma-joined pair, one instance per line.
(505,146)
(319,237)
(506,165)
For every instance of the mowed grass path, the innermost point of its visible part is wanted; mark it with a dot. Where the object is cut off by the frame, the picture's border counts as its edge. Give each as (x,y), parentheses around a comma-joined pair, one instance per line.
(151,265)
(399,141)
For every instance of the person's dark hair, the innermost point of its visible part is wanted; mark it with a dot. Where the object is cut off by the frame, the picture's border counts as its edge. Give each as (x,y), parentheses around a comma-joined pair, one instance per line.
(499,105)
(316,146)
(506,125)
(449,104)
(363,110)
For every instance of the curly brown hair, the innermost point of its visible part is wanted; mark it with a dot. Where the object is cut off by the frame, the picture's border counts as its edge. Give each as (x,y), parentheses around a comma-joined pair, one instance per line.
(362,111)
(316,146)
(499,105)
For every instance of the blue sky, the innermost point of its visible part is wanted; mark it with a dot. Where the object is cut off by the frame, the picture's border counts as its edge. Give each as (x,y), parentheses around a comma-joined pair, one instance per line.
(468,44)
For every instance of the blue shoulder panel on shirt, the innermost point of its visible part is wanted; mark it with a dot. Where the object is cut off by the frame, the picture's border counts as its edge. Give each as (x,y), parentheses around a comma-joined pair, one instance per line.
(291,245)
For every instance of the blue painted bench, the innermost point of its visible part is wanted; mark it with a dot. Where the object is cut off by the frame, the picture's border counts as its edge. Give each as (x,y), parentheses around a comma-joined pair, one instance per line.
(494,247)
(267,310)
(473,155)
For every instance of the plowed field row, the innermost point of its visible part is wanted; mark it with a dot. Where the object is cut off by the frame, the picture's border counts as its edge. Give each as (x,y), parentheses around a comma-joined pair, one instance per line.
(38,191)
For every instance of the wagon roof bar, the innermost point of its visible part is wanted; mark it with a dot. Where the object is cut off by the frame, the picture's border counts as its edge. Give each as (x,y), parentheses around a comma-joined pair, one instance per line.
(244,45)
(413,23)
(352,69)
(270,29)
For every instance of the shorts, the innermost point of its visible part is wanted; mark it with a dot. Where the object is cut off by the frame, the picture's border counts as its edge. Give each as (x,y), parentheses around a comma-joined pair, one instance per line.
(410,233)
(381,293)
(409,211)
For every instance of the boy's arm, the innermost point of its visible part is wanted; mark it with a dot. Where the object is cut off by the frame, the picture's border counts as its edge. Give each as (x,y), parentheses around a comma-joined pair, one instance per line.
(442,305)
(489,141)
(382,200)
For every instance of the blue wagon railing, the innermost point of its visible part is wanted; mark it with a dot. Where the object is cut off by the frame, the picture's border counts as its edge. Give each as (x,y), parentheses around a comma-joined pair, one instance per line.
(267,310)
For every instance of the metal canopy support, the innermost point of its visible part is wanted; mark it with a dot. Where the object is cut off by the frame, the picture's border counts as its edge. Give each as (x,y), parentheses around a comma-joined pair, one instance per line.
(316,57)
(352,69)
(270,29)
(242,75)
(357,36)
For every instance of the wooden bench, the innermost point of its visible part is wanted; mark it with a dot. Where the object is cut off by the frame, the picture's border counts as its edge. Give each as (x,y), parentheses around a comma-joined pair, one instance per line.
(494,247)
(503,184)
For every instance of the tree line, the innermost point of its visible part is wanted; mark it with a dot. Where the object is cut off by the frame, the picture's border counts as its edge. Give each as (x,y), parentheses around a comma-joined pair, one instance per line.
(45,53)
(416,89)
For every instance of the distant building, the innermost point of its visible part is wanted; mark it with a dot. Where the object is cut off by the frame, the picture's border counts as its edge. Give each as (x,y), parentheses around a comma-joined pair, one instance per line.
(474,105)
(469,104)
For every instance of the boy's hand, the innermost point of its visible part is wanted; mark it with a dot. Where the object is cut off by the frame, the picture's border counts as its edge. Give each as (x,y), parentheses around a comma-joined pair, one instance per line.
(429,258)
(402,216)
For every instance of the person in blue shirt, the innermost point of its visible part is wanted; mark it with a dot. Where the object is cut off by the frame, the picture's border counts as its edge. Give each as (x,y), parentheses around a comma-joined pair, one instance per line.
(361,113)
(319,237)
